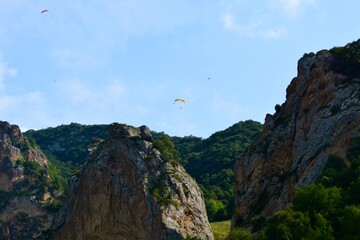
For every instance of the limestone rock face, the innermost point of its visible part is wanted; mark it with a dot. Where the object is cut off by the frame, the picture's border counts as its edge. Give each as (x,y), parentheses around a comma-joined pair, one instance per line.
(320,116)
(23,214)
(126,191)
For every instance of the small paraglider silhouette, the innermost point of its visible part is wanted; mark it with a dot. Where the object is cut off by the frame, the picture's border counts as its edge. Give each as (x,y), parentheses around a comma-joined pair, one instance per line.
(180,100)
(44,11)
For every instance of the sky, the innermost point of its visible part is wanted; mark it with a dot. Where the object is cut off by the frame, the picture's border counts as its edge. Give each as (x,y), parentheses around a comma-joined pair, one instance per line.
(126,61)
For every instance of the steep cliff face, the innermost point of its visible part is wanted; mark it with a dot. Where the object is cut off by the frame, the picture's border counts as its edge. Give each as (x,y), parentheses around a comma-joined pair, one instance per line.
(320,116)
(126,191)
(23,195)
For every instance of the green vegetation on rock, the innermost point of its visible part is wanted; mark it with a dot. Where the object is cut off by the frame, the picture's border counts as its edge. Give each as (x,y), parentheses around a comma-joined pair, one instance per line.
(210,161)
(66,147)
(328,209)
(347,59)
(68,143)
(167,148)
(31,168)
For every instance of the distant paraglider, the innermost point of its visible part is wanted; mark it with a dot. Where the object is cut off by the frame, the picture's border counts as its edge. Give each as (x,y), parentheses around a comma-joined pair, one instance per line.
(44,11)
(180,100)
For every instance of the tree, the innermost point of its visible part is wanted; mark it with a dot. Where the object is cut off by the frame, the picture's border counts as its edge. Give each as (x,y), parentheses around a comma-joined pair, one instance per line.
(167,148)
(322,228)
(352,193)
(239,234)
(350,223)
(315,198)
(214,209)
(289,225)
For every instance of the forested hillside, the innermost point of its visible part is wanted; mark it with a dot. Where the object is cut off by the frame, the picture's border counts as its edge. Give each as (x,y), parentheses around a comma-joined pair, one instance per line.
(210,161)
(66,147)
(68,143)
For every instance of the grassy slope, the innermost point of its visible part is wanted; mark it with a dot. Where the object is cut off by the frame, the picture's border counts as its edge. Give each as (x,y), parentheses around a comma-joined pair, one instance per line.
(220,229)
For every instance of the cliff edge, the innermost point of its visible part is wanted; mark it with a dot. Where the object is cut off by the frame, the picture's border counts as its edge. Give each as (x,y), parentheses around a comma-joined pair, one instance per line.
(26,191)
(319,118)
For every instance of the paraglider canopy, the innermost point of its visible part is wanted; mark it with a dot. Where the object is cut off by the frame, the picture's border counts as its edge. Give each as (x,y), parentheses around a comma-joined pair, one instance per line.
(44,11)
(180,100)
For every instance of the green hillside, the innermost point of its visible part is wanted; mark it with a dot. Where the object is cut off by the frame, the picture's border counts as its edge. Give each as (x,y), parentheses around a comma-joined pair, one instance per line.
(68,143)
(210,161)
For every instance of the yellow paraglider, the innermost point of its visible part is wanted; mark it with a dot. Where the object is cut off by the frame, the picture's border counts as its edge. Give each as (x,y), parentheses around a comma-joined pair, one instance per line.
(180,101)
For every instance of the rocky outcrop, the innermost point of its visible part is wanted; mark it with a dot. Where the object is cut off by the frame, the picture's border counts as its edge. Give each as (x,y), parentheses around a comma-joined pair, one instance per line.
(320,116)
(23,195)
(126,191)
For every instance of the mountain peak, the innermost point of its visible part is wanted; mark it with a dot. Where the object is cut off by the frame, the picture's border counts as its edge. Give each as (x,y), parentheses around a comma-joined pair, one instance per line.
(127,191)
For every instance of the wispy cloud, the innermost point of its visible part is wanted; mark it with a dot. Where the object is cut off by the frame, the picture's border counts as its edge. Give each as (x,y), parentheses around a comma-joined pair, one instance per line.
(5,72)
(293,7)
(80,94)
(254,29)
(227,107)
(7,103)
(229,21)
(33,107)
(115,90)
(266,20)
(77,91)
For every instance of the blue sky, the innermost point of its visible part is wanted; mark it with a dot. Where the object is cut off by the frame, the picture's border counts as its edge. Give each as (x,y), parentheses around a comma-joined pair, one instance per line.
(126,61)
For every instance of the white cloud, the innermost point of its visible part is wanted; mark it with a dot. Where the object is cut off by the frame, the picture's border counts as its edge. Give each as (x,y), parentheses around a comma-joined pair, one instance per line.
(115,90)
(255,29)
(77,91)
(35,97)
(293,7)
(227,106)
(5,72)
(25,110)
(228,21)
(7,103)
(270,33)
(77,60)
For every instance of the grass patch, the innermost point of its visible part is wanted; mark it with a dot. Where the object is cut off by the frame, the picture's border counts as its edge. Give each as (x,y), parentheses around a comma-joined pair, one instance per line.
(220,229)
(163,196)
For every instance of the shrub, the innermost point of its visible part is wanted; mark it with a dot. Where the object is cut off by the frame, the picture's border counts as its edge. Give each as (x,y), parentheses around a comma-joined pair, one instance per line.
(31,168)
(347,59)
(239,234)
(289,224)
(315,198)
(163,196)
(166,148)
(350,223)
(214,209)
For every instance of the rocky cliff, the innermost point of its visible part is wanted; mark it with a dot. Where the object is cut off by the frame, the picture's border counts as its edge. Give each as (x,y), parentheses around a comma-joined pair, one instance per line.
(319,118)
(24,195)
(127,191)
